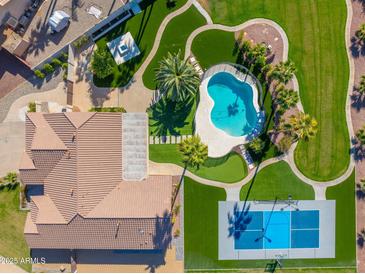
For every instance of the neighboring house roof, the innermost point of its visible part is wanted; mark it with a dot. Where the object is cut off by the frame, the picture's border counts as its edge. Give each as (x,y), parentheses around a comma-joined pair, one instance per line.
(78,158)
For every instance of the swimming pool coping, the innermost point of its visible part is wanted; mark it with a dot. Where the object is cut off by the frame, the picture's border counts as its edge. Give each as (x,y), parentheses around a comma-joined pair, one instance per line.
(218,141)
(327,232)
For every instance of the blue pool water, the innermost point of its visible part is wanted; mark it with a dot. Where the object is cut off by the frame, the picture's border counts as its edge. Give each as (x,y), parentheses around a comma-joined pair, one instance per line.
(279,230)
(233,109)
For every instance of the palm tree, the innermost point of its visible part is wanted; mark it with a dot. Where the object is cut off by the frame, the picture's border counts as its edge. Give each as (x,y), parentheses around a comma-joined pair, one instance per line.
(283,72)
(257,145)
(285,143)
(301,126)
(11,178)
(257,53)
(360,34)
(360,135)
(361,87)
(177,78)
(286,98)
(194,152)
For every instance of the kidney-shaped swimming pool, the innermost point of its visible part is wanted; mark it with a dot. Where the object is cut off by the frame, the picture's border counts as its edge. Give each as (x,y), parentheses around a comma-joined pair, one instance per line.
(233,111)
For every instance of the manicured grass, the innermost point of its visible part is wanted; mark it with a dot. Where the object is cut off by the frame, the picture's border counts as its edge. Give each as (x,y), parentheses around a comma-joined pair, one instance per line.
(228,169)
(277,180)
(173,40)
(315,30)
(143,28)
(172,118)
(12,242)
(201,222)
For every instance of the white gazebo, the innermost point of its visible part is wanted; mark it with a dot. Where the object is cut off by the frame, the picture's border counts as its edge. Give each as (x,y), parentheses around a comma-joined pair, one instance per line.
(123,48)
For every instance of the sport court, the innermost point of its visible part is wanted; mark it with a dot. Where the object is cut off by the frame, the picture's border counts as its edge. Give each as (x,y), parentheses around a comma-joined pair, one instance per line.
(272,229)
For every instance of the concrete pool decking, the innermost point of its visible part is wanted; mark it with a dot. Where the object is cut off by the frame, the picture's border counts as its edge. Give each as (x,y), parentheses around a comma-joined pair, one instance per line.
(327,235)
(218,141)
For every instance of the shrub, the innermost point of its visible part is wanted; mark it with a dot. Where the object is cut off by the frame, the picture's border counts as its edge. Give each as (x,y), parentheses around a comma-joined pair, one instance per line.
(31,107)
(48,68)
(102,63)
(65,66)
(64,56)
(39,74)
(176,210)
(56,62)
(177,233)
(81,41)
(108,109)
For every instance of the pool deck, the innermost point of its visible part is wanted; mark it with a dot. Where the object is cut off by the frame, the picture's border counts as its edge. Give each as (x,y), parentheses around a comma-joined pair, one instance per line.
(218,141)
(327,235)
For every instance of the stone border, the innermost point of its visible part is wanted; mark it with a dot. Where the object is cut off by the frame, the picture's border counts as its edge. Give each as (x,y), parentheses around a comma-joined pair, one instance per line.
(219,142)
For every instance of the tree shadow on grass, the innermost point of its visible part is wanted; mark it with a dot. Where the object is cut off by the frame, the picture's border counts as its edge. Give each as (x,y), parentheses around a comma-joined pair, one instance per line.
(168,116)
(357,100)
(360,192)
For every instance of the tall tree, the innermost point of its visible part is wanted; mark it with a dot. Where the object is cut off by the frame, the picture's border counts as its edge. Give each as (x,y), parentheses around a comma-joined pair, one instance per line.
(285,98)
(283,72)
(361,87)
(194,152)
(301,126)
(360,34)
(102,63)
(257,145)
(176,78)
(360,135)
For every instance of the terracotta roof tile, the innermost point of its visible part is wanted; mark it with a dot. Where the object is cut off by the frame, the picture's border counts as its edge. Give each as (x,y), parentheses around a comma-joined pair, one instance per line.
(26,162)
(83,185)
(47,211)
(128,199)
(78,118)
(30,227)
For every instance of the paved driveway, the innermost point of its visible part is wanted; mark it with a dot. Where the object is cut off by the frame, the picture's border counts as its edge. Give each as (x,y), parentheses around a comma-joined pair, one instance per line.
(11,146)
(12,72)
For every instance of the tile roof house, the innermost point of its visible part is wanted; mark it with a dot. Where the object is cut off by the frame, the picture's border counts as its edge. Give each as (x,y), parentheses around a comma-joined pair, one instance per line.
(93,196)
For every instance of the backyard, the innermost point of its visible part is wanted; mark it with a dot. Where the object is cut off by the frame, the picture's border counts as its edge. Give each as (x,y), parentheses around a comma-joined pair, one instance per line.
(201,226)
(12,242)
(317,54)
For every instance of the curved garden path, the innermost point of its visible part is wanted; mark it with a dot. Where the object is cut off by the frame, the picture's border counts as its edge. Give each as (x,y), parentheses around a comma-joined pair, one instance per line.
(233,189)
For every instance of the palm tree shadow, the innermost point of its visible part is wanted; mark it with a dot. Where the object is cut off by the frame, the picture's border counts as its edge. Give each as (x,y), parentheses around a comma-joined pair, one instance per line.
(168,116)
(360,192)
(357,100)
(238,221)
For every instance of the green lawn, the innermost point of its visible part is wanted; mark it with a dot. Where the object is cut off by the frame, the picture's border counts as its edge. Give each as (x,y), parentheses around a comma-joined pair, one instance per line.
(277,180)
(317,45)
(173,40)
(228,169)
(167,117)
(143,28)
(12,242)
(201,226)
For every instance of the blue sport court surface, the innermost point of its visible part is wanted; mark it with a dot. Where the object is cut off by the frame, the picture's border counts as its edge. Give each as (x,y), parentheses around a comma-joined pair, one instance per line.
(278,230)
(288,229)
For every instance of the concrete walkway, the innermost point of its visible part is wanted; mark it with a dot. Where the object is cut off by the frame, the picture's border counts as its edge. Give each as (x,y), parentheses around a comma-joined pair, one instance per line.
(12,142)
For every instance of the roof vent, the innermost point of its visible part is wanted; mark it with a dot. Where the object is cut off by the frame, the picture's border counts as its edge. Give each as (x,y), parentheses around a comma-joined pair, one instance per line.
(68,154)
(73,137)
